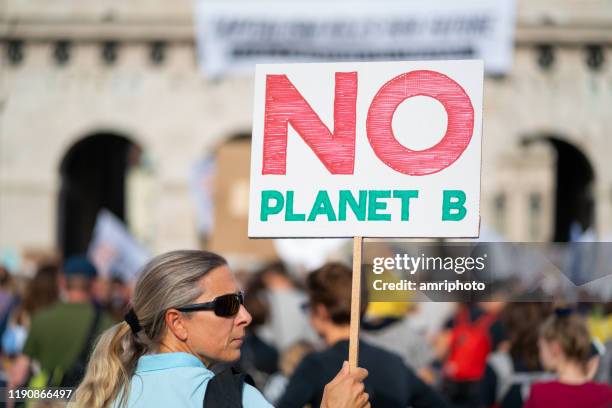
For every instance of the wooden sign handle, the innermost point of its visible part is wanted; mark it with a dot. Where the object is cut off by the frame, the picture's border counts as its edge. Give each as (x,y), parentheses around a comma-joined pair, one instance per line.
(355,304)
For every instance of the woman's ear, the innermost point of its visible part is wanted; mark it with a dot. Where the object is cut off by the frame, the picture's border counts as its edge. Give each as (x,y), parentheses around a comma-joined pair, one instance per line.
(175,323)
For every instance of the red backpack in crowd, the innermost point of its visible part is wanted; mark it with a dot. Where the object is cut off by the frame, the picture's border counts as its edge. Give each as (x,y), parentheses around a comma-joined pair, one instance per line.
(470,344)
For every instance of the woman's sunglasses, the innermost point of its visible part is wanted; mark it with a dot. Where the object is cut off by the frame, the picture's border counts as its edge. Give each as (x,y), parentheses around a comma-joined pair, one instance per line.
(223,306)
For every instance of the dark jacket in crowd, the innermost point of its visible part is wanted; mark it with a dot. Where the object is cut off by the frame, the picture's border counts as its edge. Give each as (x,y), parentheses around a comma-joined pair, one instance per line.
(390,383)
(509,387)
(258,358)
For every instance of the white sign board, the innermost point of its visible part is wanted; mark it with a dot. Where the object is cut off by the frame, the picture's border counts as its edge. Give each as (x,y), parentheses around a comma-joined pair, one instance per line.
(367,149)
(234,35)
(113,249)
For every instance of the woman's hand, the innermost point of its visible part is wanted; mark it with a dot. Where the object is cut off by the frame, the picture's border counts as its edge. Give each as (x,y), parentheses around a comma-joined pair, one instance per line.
(346,390)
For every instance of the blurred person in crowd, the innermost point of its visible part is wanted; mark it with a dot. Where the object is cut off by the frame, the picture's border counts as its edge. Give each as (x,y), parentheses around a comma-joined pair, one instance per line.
(603,356)
(599,321)
(464,345)
(258,358)
(389,325)
(8,301)
(287,323)
(430,318)
(101,292)
(62,334)
(510,373)
(290,359)
(565,349)
(600,326)
(40,292)
(119,298)
(187,316)
(8,297)
(390,383)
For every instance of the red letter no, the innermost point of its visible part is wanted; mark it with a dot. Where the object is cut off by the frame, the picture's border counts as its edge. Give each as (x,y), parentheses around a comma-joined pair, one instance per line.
(420,83)
(285,105)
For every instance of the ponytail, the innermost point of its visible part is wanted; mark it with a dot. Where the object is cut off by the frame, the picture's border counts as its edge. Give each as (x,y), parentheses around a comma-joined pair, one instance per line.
(110,369)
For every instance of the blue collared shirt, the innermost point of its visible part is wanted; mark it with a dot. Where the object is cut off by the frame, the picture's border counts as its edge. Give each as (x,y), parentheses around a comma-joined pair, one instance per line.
(177,380)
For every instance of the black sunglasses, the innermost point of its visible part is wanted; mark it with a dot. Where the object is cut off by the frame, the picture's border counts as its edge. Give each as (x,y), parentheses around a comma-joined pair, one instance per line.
(223,306)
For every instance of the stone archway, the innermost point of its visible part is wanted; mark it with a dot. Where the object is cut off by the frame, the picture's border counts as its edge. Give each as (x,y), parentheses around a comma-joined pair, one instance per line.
(574,180)
(93,176)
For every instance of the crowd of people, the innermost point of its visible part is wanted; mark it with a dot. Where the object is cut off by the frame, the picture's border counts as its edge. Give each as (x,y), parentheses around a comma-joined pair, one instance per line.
(191,331)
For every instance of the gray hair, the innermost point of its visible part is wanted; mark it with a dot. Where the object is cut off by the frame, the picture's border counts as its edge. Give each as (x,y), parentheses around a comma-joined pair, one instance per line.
(170,281)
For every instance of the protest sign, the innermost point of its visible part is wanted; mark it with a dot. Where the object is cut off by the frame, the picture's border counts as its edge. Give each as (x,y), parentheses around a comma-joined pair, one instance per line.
(114,251)
(366,149)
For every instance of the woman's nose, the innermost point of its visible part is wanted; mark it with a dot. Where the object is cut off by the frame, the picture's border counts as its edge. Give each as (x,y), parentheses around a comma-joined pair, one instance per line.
(243,317)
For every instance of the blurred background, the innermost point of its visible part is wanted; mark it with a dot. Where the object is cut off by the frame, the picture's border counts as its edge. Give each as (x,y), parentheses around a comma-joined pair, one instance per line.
(125,132)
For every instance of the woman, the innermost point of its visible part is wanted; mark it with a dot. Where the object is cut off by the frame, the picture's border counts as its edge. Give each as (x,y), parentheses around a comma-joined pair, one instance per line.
(565,349)
(187,316)
(512,369)
(41,292)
